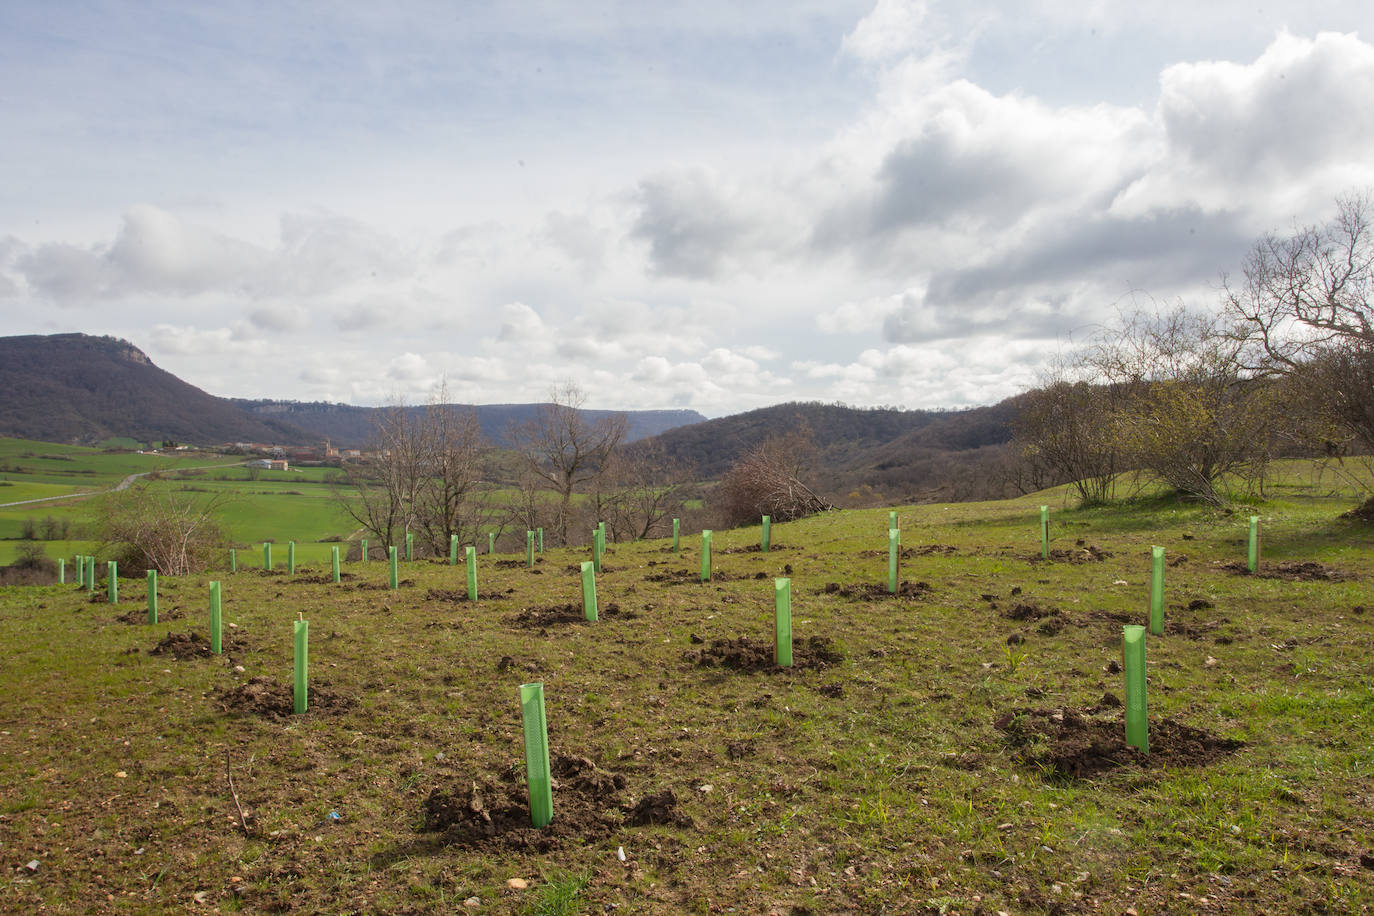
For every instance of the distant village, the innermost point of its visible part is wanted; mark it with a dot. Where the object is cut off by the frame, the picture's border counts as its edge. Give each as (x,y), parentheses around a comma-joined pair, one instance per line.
(279,457)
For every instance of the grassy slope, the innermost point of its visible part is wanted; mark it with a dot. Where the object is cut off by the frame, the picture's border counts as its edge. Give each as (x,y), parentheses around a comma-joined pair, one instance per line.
(878,782)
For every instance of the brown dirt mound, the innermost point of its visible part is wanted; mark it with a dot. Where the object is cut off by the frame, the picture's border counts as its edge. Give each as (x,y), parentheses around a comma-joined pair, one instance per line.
(1292,571)
(675,576)
(461,594)
(693,576)
(552,615)
(323,579)
(140,615)
(744,654)
(753,548)
(372,586)
(185,646)
(263,697)
(1030,610)
(910,553)
(659,809)
(517,564)
(1081,744)
(496,814)
(1364,512)
(872,591)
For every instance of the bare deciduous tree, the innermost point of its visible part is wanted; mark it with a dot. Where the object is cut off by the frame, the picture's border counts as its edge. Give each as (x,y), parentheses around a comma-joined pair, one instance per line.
(641,491)
(423,475)
(450,498)
(565,449)
(380,492)
(1304,311)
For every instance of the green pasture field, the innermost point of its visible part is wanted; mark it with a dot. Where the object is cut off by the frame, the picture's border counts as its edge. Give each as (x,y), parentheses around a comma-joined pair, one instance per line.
(958,748)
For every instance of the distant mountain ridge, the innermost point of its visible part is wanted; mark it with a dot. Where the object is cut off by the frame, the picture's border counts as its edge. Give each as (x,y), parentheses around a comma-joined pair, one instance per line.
(86,389)
(349,426)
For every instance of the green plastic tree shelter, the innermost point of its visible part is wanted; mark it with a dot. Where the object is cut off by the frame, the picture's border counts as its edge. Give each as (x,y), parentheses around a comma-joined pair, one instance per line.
(216,620)
(300,687)
(363,553)
(589,590)
(90,574)
(471,556)
(539,538)
(112,581)
(410,546)
(537,754)
(267,555)
(782,623)
(598,545)
(677,527)
(1157,591)
(152,596)
(334,561)
(1044,532)
(291,557)
(1137,707)
(453,550)
(61,570)
(766,536)
(529,549)
(491,542)
(233,560)
(894,553)
(391,558)
(1253,560)
(706,556)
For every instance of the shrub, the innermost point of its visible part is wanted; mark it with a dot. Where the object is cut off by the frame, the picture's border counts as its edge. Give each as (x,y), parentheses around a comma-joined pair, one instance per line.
(163,530)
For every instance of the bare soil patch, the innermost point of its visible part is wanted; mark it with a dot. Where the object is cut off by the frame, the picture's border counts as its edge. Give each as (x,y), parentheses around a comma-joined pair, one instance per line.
(262,696)
(1292,571)
(873,591)
(755,548)
(556,614)
(686,576)
(1081,744)
(745,654)
(323,579)
(461,594)
(587,806)
(517,564)
(185,646)
(139,616)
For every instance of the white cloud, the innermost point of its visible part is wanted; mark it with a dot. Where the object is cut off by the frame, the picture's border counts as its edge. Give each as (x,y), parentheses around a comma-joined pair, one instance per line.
(409,367)
(894,27)
(1281,134)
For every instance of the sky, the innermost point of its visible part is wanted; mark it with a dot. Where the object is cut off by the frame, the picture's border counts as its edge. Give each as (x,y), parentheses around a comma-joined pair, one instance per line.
(709,205)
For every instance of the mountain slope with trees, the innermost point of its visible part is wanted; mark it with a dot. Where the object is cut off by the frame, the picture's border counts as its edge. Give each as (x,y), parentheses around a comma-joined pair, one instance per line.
(82,389)
(907,455)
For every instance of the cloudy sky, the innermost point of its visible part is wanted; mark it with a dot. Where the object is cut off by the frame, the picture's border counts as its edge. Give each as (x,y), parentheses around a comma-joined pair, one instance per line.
(715,204)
